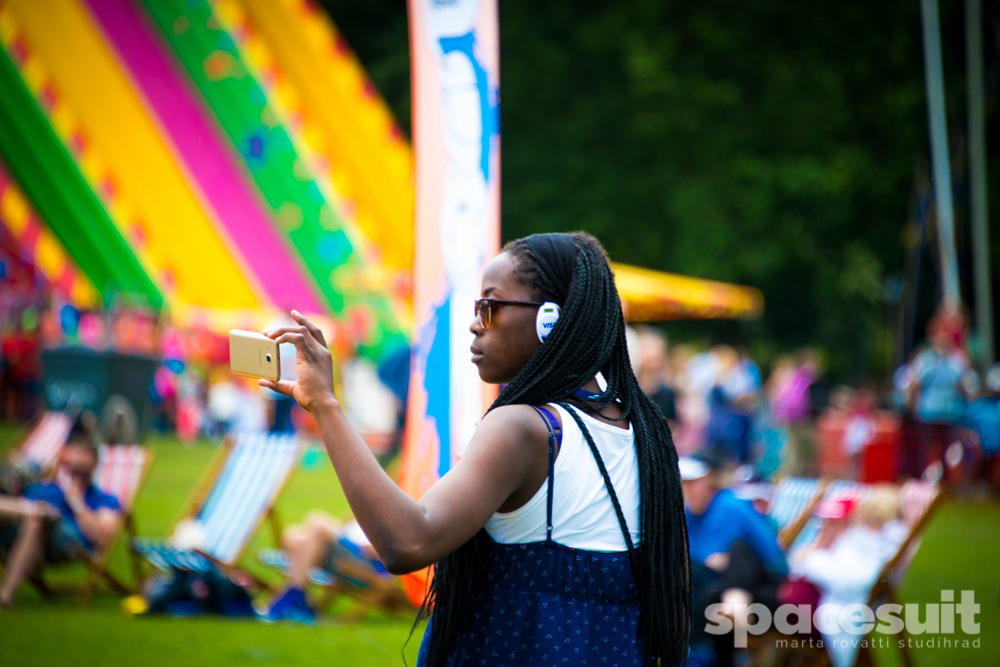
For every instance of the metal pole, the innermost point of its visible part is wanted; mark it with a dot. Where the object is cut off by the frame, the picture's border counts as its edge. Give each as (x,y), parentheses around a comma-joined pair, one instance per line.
(939,150)
(977,180)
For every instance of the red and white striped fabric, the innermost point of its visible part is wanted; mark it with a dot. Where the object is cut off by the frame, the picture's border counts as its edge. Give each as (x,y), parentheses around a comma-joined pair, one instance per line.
(915,499)
(46,440)
(119,471)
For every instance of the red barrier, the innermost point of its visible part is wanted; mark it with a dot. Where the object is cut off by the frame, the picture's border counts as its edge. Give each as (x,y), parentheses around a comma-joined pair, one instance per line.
(877,462)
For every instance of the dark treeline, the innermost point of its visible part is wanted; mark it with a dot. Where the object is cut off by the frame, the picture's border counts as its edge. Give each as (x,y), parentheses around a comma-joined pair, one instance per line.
(772,143)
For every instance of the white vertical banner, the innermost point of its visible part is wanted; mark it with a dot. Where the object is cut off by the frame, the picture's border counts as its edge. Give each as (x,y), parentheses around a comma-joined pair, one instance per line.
(455,60)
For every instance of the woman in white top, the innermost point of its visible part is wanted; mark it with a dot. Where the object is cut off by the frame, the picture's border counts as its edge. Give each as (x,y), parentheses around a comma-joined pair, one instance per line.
(559,537)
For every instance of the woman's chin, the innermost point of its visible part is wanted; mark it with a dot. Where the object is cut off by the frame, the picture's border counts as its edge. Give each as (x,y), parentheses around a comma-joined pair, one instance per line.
(490,378)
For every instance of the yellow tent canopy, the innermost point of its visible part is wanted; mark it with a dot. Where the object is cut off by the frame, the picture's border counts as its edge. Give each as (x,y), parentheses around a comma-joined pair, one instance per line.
(653,296)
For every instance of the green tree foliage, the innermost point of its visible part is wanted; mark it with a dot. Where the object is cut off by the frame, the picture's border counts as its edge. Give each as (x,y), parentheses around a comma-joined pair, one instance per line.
(769,142)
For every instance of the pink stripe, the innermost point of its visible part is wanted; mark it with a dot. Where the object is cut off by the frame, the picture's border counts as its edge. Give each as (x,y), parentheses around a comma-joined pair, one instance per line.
(46,440)
(119,472)
(209,161)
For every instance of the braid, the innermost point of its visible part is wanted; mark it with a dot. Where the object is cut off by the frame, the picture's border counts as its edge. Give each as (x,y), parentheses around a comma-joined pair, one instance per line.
(588,338)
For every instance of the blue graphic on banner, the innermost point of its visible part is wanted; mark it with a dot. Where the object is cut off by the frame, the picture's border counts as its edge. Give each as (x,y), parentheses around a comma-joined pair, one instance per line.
(466,44)
(436,381)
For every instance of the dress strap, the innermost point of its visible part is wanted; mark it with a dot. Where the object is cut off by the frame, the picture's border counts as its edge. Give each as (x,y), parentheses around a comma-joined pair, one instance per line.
(633,556)
(555,440)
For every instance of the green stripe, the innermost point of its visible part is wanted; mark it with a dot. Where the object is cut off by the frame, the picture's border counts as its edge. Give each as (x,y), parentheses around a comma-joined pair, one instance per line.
(61,195)
(240,104)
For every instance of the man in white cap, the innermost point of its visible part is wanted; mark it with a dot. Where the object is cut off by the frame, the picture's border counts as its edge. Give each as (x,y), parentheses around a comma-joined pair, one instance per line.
(732,546)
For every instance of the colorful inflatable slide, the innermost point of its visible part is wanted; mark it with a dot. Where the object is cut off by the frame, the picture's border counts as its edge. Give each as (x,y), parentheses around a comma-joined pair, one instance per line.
(179,153)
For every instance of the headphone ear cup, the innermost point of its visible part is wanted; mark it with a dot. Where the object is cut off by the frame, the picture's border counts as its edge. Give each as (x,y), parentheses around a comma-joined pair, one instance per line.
(548,315)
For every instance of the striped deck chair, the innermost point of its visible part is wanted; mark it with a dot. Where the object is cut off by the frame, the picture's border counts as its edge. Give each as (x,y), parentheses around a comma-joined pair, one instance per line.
(836,489)
(919,501)
(41,447)
(237,493)
(121,472)
(792,505)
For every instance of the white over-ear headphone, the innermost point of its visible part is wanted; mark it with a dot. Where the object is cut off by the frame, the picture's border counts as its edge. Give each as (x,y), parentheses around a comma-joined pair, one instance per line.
(548,315)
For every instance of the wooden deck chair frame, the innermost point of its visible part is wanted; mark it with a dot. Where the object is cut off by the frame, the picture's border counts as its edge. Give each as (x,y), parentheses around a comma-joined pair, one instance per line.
(204,487)
(97,564)
(787,535)
(884,591)
(370,590)
(354,578)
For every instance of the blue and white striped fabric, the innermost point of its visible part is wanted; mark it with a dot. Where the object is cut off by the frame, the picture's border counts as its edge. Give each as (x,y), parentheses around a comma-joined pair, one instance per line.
(837,489)
(247,486)
(792,496)
(277,559)
(165,557)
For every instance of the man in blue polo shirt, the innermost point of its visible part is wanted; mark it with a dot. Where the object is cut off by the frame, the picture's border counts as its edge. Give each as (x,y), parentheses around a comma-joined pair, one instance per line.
(53,522)
(732,546)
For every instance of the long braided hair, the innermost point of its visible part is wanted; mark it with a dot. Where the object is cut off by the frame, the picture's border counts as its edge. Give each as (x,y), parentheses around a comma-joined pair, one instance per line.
(588,338)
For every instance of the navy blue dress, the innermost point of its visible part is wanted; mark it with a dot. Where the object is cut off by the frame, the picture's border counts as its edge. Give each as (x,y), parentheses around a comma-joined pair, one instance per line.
(544,603)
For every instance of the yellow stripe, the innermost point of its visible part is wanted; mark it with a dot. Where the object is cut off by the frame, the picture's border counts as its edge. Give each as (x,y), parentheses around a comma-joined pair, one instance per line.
(49,255)
(14,210)
(349,128)
(179,235)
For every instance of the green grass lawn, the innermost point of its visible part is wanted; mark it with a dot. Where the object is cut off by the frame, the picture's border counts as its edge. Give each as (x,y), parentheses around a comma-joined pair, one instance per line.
(961,551)
(50,633)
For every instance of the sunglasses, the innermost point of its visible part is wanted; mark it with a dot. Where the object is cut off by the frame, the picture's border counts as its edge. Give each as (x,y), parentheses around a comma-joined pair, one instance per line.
(485,308)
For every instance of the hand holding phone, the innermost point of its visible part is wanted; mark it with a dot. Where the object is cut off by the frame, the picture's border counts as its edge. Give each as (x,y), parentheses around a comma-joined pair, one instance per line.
(253,355)
(314,365)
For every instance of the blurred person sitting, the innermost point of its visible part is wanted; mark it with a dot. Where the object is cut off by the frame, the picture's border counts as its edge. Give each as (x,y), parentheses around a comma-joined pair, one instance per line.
(732,546)
(319,541)
(847,557)
(55,521)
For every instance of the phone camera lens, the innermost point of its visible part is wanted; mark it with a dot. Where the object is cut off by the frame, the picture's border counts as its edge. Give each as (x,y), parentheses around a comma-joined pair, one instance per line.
(268,357)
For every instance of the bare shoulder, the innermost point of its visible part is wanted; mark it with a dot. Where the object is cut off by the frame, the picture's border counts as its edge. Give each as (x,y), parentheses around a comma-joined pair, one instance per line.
(513,427)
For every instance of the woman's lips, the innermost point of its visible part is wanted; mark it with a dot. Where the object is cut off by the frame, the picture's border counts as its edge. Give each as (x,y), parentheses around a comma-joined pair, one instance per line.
(476,354)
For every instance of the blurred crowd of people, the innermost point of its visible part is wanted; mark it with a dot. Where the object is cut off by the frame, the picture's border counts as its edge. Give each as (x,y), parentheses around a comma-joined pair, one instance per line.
(937,417)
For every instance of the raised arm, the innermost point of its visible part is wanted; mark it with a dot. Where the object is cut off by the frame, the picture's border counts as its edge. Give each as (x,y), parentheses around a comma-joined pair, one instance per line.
(409,534)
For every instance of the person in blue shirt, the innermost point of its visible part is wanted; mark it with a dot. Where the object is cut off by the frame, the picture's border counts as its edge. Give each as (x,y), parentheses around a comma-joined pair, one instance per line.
(55,521)
(732,546)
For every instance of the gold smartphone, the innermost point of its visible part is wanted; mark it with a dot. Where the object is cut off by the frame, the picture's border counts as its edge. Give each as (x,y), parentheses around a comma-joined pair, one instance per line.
(253,355)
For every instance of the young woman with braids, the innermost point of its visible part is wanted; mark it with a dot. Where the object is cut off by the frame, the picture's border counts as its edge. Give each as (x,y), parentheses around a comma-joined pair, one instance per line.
(560,535)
